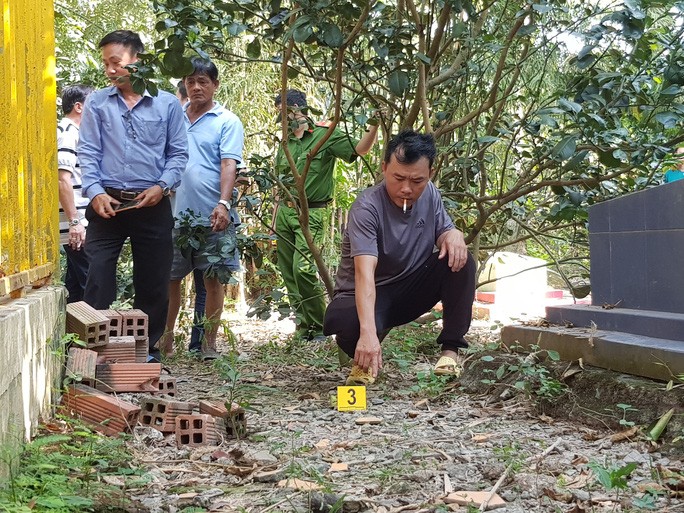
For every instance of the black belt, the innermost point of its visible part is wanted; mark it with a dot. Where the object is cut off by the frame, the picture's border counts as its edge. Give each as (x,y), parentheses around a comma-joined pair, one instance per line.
(122,195)
(312,204)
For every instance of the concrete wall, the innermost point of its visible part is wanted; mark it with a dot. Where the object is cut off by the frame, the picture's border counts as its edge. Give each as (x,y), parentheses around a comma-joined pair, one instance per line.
(31,329)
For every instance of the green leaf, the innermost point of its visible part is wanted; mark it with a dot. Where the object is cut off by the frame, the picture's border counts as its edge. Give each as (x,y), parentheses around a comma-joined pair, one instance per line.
(332,35)
(254,48)
(398,82)
(667,119)
(569,105)
(565,148)
(177,64)
(486,139)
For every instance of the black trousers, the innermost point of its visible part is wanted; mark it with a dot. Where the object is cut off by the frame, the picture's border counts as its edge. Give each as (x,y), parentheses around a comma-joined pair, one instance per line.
(149,230)
(76,273)
(404,301)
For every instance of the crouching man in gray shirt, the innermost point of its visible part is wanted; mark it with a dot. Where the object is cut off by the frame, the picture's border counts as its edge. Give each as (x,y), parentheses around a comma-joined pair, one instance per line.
(400,255)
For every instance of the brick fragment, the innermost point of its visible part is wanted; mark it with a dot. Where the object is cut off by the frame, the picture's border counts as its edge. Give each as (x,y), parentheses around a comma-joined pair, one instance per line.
(115,322)
(161,413)
(133,323)
(89,324)
(234,420)
(81,363)
(105,413)
(128,377)
(118,350)
(196,430)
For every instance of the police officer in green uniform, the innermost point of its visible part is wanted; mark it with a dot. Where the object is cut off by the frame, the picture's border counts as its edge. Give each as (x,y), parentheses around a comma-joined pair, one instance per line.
(295,261)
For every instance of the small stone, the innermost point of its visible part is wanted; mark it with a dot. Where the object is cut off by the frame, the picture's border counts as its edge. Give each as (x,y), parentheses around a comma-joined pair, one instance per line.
(369,420)
(262,457)
(465,498)
(377,401)
(270,476)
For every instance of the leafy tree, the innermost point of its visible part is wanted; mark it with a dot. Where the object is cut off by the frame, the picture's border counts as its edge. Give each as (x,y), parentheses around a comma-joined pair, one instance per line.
(540,109)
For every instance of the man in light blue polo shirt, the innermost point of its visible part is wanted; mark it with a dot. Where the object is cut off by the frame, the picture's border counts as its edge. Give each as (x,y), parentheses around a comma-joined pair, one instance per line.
(204,236)
(132,149)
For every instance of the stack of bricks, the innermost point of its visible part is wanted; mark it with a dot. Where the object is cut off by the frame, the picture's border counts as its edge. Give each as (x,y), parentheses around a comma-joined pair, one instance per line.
(116,361)
(161,414)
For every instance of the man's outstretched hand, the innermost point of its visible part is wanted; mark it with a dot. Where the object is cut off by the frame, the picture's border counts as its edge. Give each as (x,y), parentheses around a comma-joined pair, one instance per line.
(451,244)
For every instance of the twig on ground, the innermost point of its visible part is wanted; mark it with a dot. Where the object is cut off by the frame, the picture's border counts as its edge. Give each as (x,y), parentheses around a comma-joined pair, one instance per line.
(497,485)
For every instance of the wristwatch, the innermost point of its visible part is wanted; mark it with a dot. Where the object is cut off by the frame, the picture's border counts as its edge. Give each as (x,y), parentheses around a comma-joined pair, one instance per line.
(166,190)
(74,222)
(225,203)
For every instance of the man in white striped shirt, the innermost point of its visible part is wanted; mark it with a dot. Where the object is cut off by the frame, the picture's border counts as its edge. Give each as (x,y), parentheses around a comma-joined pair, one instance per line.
(72,205)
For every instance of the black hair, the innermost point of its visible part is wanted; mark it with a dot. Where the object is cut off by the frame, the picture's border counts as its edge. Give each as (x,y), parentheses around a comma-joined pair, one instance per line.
(182,90)
(409,146)
(73,94)
(203,67)
(293,97)
(126,38)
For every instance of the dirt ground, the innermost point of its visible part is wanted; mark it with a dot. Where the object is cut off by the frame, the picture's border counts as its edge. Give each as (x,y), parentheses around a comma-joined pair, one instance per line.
(421,440)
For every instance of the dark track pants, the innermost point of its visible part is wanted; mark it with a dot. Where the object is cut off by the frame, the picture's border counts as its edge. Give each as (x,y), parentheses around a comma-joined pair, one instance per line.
(404,301)
(150,232)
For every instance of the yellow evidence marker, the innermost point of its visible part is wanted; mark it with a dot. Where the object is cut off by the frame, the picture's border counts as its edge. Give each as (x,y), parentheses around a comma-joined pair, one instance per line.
(351,398)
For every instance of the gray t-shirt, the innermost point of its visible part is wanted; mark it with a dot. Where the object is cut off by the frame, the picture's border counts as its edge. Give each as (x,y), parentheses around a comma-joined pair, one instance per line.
(401,242)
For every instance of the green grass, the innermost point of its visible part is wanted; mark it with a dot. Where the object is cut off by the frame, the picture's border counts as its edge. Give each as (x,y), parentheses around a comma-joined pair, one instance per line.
(64,473)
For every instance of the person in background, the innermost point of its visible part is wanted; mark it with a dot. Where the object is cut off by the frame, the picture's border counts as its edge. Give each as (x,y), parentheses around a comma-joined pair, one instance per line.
(672,175)
(133,149)
(401,255)
(295,261)
(72,205)
(216,138)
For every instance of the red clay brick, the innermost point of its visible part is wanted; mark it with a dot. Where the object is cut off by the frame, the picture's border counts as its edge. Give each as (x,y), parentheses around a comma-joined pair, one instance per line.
(196,430)
(161,413)
(134,323)
(81,363)
(117,350)
(167,386)
(104,412)
(235,420)
(142,349)
(89,324)
(115,321)
(128,377)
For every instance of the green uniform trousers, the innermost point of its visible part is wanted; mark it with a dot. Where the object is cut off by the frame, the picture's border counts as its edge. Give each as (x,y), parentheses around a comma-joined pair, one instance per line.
(298,268)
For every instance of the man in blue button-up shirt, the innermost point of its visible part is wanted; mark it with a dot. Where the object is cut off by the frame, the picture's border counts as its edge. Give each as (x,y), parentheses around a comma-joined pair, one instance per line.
(133,149)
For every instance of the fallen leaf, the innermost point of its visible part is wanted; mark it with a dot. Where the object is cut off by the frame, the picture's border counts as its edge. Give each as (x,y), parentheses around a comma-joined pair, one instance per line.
(546,419)
(322,444)
(580,481)
(114,481)
(557,496)
(480,438)
(465,498)
(338,467)
(299,484)
(423,403)
(624,435)
(188,495)
(580,460)
(368,420)
(309,396)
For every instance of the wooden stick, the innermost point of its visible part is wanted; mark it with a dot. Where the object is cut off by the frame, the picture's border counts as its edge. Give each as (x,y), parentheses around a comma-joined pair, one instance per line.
(549,449)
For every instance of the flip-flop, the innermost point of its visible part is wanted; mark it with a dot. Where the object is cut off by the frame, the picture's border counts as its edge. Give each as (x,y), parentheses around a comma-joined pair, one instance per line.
(210,354)
(360,377)
(447,366)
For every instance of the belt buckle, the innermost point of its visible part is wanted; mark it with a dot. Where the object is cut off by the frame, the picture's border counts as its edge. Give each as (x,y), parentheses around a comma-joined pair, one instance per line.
(128,195)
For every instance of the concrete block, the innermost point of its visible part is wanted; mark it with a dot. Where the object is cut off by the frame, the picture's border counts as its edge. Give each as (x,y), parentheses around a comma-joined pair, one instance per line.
(115,322)
(134,323)
(81,363)
(89,324)
(197,430)
(161,413)
(118,350)
(128,377)
(621,352)
(235,420)
(107,414)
